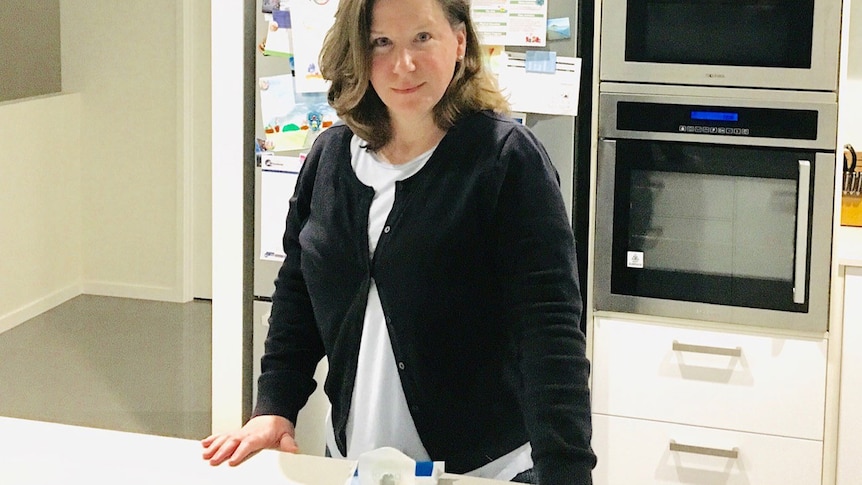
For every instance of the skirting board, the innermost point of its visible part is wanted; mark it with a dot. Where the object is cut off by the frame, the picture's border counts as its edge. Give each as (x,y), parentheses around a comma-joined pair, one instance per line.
(156,293)
(59,297)
(42,305)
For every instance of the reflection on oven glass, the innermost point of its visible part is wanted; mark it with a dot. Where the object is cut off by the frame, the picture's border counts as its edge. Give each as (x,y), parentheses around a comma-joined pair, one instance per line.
(708,224)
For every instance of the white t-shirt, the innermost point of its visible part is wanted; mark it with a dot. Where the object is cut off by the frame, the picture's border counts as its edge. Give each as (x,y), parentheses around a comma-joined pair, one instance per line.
(379,415)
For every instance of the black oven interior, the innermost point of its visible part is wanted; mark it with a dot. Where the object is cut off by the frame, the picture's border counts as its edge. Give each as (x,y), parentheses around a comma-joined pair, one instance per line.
(707,223)
(763,33)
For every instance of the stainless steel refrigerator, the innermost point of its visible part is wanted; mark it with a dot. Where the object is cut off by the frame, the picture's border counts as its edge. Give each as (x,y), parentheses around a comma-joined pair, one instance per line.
(566,138)
(311,420)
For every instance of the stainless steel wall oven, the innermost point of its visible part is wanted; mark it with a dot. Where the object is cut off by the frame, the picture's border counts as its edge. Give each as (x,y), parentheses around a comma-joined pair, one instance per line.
(715,206)
(781,44)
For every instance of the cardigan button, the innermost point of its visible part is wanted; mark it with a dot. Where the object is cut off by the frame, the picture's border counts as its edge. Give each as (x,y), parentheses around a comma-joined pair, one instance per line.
(401,365)
(386,229)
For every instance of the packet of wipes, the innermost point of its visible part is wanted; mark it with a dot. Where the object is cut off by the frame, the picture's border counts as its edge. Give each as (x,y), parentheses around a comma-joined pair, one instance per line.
(389,466)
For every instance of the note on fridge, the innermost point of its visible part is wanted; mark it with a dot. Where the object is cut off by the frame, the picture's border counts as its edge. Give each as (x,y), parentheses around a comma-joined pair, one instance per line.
(553,93)
(278,175)
(278,36)
(309,23)
(510,22)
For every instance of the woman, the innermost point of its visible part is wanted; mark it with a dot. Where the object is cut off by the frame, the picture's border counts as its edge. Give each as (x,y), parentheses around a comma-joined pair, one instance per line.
(430,258)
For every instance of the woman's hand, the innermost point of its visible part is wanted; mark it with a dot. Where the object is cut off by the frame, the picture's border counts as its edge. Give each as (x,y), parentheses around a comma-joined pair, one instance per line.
(260,432)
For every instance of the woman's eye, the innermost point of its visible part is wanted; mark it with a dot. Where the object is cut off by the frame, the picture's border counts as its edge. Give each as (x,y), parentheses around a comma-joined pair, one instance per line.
(424,36)
(380,42)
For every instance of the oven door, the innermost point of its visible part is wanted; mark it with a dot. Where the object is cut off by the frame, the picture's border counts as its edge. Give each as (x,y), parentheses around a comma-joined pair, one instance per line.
(726,233)
(783,44)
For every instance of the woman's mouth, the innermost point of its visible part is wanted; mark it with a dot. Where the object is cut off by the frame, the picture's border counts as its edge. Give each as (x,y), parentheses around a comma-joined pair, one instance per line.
(407,90)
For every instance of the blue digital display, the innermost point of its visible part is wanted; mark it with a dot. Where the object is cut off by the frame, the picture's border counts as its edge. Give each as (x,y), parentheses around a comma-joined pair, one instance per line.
(714,116)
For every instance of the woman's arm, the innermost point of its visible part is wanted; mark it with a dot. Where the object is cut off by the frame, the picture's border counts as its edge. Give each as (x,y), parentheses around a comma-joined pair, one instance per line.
(538,268)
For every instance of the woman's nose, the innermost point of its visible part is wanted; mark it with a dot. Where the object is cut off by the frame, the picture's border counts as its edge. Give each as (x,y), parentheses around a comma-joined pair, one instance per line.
(403,61)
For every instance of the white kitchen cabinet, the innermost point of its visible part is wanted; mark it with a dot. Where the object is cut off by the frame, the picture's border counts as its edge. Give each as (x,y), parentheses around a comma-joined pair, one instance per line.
(850,407)
(676,404)
(637,451)
(762,384)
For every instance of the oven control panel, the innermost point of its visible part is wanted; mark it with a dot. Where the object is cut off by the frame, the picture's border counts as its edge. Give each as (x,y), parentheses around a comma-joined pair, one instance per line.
(714,130)
(790,124)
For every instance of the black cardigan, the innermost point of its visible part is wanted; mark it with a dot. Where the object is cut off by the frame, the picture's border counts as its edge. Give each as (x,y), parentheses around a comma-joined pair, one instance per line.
(477,277)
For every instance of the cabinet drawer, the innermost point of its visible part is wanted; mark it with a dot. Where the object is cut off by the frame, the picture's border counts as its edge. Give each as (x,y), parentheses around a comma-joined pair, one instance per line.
(634,451)
(761,384)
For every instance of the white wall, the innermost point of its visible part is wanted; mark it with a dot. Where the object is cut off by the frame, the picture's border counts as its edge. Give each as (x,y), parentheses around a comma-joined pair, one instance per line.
(854,69)
(40,205)
(850,90)
(125,60)
(96,186)
(198,58)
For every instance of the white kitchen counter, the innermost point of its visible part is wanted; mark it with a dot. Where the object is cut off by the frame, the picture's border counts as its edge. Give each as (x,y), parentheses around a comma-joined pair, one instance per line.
(39,453)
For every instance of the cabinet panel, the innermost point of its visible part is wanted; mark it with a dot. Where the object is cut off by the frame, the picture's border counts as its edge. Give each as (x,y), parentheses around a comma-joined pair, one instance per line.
(850,413)
(761,384)
(634,451)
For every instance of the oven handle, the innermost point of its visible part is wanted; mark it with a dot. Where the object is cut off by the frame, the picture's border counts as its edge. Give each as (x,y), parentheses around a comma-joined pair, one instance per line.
(802,209)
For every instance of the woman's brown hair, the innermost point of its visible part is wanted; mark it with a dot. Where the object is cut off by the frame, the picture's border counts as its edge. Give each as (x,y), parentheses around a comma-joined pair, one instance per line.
(345,60)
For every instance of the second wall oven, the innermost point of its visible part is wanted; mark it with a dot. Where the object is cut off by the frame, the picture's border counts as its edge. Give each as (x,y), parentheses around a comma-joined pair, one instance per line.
(715,207)
(781,44)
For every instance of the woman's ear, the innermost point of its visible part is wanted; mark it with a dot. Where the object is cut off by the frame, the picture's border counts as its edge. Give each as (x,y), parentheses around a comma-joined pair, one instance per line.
(461,35)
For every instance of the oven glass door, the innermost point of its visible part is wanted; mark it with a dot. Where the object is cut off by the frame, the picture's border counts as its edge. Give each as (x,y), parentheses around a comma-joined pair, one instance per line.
(717,224)
(777,44)
(758,33)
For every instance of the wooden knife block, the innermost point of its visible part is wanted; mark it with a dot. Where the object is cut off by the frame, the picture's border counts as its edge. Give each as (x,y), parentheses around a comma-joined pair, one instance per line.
(851,210)
(851,205)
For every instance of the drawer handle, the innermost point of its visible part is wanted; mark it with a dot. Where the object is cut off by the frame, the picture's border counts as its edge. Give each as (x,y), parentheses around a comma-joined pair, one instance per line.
(703,349)
(702,450)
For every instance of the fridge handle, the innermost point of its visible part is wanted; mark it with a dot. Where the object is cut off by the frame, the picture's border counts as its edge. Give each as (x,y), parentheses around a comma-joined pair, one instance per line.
(802,209)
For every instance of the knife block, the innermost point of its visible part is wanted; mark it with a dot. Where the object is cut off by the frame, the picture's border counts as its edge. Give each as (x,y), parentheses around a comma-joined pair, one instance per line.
(851,205)
(851,210)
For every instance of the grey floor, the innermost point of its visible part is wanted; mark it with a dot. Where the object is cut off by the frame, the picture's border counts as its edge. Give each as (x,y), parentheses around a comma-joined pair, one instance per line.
(113,363)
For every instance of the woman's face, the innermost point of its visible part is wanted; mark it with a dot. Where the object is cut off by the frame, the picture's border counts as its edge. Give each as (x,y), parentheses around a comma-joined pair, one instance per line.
(413,55)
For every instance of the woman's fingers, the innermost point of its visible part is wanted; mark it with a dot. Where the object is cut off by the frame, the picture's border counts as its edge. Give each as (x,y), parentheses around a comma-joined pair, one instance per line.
(243,451)
(211,445)
(222,449)
(288,444)
(259,433)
